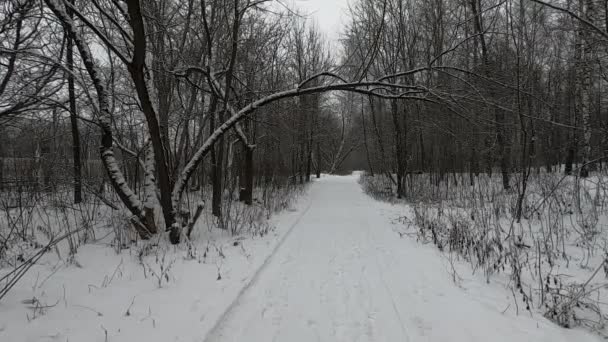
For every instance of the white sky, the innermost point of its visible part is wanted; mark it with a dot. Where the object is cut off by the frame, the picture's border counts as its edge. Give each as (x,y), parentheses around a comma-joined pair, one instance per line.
(329,14)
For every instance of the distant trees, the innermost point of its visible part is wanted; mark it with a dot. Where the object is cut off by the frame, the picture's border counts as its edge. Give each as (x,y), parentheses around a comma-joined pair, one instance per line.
(27,77)
(513,85)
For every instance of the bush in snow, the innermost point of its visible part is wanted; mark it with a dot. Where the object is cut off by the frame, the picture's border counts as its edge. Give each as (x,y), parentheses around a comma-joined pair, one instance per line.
(550,260)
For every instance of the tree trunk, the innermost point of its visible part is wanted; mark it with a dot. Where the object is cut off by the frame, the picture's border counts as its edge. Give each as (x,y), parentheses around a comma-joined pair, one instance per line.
(586,69)
(137,70)
(400,153)
(570,154)
(309,159)
(369,162)
(499,115)
(74,122)
(473,166)
(246,181)
(216,173)
(318,159)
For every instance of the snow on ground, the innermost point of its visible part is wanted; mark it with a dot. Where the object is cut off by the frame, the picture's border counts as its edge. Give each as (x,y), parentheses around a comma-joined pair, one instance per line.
(345,275)
(104,296)
(334,270)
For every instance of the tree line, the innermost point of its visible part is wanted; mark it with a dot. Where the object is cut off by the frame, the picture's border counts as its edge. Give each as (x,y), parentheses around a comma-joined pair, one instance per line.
(236,93)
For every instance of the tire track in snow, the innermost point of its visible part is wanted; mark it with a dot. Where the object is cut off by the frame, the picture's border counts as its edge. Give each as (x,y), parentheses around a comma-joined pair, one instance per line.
(371,237)
(212,334)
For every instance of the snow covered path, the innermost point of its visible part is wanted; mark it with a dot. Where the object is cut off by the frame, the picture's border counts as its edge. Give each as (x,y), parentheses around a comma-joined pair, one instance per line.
(343,274)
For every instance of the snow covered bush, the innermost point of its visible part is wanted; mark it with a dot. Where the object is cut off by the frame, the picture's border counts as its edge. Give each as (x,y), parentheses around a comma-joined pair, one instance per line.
(379,187)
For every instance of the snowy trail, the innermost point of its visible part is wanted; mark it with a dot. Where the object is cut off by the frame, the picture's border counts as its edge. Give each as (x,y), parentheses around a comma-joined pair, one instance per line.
(343,274)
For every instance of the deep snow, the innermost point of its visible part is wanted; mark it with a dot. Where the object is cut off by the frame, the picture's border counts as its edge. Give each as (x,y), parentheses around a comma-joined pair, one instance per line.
(334,270)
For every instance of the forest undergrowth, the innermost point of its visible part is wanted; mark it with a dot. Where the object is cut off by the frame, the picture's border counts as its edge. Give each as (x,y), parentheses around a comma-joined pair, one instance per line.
(35,222)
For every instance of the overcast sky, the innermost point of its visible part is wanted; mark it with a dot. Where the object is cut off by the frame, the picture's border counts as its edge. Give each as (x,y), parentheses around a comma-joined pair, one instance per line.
(329,14)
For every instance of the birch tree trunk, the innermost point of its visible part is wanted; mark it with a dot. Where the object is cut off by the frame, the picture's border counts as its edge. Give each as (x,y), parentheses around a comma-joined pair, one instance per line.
(586,69)
(76,160)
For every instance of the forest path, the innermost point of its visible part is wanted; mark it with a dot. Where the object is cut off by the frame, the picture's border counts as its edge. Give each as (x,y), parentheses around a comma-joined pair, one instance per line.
(344,274)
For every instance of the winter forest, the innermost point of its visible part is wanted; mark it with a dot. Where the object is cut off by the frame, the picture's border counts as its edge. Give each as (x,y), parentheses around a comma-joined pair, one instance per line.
(222,170)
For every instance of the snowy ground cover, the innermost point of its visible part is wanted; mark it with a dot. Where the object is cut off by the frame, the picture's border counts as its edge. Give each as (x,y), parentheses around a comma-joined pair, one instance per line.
(339,265)
(84,290)
(344,274)
(551,263)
